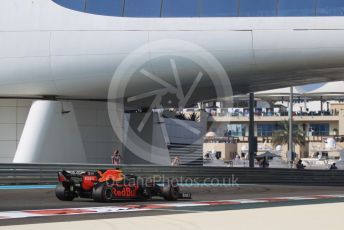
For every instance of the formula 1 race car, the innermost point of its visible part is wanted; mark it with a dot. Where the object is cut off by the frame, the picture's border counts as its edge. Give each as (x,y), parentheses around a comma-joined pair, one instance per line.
(112,184)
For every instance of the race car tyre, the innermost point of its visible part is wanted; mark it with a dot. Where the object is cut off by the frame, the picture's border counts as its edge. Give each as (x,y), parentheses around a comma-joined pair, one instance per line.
(63,194)
(144,194)
(170,192)
(102,193)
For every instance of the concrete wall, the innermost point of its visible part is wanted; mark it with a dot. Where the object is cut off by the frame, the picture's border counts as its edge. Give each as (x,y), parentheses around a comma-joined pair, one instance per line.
(340,108)
(13,114)
(51,135)
(147,146)
(228,151)
(97,134)
(231,148)
(96,131)
(183,131)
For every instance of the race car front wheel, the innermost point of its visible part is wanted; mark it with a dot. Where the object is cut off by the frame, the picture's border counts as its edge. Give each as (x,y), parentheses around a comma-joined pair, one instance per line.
(102,193)
(63,194)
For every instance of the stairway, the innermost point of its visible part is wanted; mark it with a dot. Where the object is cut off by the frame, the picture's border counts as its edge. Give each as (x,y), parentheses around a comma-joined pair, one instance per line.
(188,154)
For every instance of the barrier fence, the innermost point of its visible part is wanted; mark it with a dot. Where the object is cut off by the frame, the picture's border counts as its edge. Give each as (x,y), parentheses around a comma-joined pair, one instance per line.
(21,174)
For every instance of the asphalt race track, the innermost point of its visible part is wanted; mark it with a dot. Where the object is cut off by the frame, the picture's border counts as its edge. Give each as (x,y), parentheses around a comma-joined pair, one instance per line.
(38,199)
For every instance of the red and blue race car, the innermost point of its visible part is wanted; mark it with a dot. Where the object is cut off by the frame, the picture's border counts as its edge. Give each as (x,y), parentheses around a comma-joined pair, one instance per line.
(110,185)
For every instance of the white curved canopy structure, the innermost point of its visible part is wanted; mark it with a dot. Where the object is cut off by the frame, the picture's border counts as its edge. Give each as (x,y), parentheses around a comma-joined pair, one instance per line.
(47,49)
(331,88)
(328,91)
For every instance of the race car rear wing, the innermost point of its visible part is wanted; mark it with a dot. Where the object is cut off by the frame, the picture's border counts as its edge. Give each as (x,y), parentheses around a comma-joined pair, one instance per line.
(67,175)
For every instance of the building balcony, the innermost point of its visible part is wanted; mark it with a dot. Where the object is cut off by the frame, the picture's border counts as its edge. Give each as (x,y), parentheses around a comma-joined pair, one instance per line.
(268,139)
(275,118)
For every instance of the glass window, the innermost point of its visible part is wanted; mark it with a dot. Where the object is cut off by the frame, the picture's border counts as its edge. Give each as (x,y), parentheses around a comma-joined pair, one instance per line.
(180,8)
(257,8)
(140,8)
(330,8)
(267,130)
(105,7)
(78,5)
(219,8)
(235,130)
(296,8)
(319,129)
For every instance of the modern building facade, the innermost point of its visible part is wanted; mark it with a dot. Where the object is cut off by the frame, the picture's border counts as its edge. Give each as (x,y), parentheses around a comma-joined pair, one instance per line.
(67,50)
(312,125)
(318,113)
(207,8)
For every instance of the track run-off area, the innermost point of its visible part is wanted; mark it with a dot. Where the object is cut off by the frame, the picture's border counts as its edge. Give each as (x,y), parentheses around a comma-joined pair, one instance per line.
(32,205)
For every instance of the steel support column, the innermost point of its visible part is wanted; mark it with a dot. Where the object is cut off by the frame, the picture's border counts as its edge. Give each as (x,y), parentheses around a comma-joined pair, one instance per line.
(251,138)
(291,149)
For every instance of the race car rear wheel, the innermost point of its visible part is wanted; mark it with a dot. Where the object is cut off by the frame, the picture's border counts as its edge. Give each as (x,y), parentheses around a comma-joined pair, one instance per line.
(102,193)
(144,194)
(63,194)
(170,192)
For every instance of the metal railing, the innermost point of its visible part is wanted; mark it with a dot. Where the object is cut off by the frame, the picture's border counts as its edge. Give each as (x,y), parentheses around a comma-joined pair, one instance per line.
(14,174)
(268,139)
(225,113)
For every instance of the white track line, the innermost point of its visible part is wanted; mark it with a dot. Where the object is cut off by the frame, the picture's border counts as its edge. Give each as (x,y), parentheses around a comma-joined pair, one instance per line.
(149,207)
